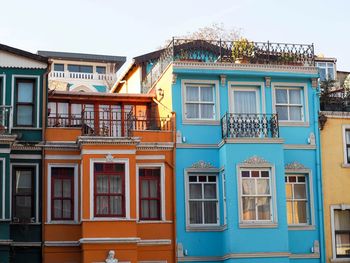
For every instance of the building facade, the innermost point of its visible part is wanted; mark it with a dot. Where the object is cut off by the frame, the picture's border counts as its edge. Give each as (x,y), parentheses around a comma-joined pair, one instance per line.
(108,181)
(248,175)
(23,85)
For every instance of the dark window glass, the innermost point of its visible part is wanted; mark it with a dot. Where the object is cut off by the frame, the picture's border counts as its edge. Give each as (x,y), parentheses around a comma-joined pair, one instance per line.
(58,67)
(80,68)
(101,70)
(25,102)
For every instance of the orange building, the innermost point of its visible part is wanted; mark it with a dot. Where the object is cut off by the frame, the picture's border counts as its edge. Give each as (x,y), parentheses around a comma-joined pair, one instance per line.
(108,179)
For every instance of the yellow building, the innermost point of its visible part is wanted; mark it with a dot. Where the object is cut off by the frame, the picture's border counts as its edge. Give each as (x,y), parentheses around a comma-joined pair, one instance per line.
(335,141)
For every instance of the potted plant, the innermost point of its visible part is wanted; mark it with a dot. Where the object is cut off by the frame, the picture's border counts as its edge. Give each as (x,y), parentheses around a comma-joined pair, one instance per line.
(242,50)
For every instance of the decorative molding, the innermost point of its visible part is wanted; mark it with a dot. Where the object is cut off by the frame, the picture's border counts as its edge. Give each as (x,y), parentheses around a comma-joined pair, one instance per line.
(107,240)
(314,83)
(196,146)
(107,140)
(61,243)
(267,82)
(255,160)
(110,257)
(109,157)
(174,78)
(62,157)
(150,157)
(90,151)
(299,147)
(26,156)
(202,165)
(206,228)
(312,139)
(8,139)
(154,242)
(150,146)
(295,166)
(223,80)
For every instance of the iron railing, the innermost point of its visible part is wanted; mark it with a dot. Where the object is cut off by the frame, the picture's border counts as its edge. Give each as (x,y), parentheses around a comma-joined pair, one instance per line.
(5,119)
(250,52)
(249,125)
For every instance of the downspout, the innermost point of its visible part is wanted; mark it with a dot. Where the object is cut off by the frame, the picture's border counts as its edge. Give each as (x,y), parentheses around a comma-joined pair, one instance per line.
(319,177)
(174,185)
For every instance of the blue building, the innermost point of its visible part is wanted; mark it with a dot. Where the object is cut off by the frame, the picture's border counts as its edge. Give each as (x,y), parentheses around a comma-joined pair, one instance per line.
(248,178)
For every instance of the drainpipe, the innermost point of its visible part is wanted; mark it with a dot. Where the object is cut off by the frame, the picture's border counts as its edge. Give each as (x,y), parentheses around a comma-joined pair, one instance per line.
(319,178)
(174,185)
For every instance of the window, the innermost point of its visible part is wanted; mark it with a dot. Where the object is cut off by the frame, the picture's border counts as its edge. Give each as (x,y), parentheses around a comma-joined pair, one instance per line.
(297,199)
(347,145)
(101,70)
(200,102)
(289,105)
(341,228)
(150,194)
(25,102)
(80,68)
(245,101)
(62,193)
(23,194)
(203,199)
(58,67)
(109,192)
(256,195)
(326,70)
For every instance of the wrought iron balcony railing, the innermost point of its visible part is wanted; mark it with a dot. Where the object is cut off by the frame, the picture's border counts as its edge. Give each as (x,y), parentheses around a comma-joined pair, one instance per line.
(239,51)
(5,119)
(249,125)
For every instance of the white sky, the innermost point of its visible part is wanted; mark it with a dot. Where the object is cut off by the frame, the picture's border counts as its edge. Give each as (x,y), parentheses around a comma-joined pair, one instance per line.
(131,28)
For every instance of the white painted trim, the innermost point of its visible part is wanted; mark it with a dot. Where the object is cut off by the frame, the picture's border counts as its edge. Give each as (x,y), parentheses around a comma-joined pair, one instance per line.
(61,243)
(196,146)
(3,161)
(150,157)
(26,244)
(36,165)
(3,76)
(154,242)
(242,85)
(87,151)
(109,240)
(75,166)
(37,99)
(26,156)
(344,128)
(304,88)
(299,147)
(4,150)
(224,196)
(125,161)
(62,157)
(162,187)
(332,208)
(215,83)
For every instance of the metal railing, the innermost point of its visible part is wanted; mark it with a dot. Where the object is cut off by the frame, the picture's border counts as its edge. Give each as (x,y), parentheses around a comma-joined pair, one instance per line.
(5,112)
(81,75)
(239,51)
(249,125)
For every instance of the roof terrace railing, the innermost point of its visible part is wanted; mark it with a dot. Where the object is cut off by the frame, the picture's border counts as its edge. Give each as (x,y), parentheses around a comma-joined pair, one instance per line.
(238,51)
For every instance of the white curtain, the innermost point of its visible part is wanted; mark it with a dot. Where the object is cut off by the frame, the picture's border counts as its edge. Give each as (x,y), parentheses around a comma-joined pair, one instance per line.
(244,102)
(196,212)
(281,96)
(249,208)
(207,94)
(264,207)
(66,213)
(263,186)
(192,93)
(248,186)
(210,216)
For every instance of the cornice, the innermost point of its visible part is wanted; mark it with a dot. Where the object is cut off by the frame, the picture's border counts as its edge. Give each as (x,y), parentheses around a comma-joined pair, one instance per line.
(107,140)
(336,114)
(7,139)
(155,146)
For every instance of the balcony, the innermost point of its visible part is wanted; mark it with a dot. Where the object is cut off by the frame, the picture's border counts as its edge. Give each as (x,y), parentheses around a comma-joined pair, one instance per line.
(110,123)
(60,75)
(235,52)
(249,126)
(5,119)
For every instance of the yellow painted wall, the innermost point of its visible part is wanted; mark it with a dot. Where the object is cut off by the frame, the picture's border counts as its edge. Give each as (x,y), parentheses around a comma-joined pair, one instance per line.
(336,178)
(133,83)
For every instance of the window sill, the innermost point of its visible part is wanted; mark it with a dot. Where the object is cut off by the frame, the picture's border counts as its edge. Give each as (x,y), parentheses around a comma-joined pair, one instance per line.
(293,123)
(154,222)
(258,225)
(25,128)
(24,223)
(62,223)
(108,219)
(206,228)
(201,122)
(345,165)
(301,227)
(340,259)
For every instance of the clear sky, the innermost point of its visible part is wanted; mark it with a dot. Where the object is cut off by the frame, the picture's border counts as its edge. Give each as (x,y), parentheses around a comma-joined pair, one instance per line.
(130,28)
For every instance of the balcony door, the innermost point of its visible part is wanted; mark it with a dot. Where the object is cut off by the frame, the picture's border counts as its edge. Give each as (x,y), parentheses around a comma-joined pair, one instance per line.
(245,101)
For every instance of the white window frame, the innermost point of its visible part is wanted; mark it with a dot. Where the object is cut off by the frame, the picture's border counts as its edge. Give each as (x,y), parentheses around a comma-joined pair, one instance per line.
(202,227)
(224,198)
(75,166)
(3,190)
(3,76)
(334,253)
(200,121)
(318,65)
(257,223)
(162,189)
(36,195)
(124,161)
(345,127)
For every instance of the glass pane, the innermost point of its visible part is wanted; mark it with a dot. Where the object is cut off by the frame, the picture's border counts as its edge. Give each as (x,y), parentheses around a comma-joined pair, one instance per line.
(255,173)
(210,191)
(300,212)
(342,219)
(244,102)
(86,69)
(347,136)
(102,184)
(207,111)
(195,191)
(282,112)
(289,194)
(116,205)
(145,209)
(154,209)
(57,209)
(290,212)
(67,188)
(23,182)
(192,179)
(343,244)
(210,212)
(192,111)
(144,188)
(207,94)
(192,93)
(25,92)
(101,70)
(57,188)
(281,96)
(67,209)
(62,108)
(265,174)
(300,191)
(294,96)
(58,67)
(322,74)
(295,113)
(23,207)
(196,212)
(263,186)
(248,186)
(24,115)
(115,184)
(245,173)
(249,208)
(153,188)
(264,212)
(102,205)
